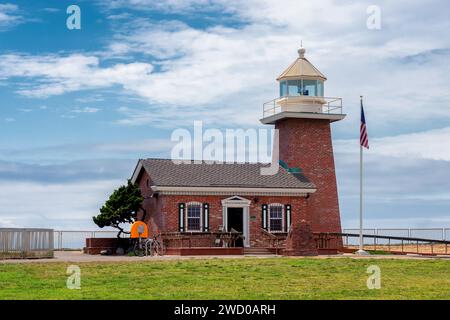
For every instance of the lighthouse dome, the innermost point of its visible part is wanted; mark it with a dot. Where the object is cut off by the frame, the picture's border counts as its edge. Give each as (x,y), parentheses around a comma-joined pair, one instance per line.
(301,68)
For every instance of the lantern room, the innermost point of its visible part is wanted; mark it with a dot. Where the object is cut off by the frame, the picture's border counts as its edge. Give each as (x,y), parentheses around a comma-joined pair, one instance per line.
(301,94)
(301,78)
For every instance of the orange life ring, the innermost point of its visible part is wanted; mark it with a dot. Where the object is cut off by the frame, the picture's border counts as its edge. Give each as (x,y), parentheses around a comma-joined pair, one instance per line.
(139,228)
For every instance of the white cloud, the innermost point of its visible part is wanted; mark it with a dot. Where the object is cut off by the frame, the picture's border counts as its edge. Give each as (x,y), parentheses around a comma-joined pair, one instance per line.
(120,16)
(56,75)
(226,68)
(51,10)
(26,110)
(129,149)
(143,145)
(228,65)
(432,145)
(406,180)
(66,204)
(8,15)
(165,5)
(90,99)
(86,110)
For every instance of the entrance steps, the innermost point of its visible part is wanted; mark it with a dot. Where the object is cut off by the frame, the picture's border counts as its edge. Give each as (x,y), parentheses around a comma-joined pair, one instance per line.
(257,251)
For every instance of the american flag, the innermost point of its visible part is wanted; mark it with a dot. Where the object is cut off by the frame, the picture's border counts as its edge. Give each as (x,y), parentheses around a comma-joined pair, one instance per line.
(363,138)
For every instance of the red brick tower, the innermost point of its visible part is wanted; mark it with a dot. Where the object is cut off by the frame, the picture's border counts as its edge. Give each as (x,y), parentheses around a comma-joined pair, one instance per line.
(303,117)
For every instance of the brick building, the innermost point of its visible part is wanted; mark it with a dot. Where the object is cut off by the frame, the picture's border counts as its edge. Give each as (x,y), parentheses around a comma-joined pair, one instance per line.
(196,200)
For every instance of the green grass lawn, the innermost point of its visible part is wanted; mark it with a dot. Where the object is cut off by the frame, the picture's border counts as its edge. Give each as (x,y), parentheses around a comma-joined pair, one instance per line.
(249,278)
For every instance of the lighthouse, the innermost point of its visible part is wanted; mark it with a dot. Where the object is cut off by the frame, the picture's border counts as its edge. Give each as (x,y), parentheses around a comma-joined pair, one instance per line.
(197,201)
(303,116)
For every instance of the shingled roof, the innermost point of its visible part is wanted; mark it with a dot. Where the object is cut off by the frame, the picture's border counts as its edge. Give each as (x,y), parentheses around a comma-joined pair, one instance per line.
(165,173)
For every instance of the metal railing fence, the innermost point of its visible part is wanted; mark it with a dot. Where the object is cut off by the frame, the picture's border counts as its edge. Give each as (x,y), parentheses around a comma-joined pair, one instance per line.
(328,105)
(392,244)
(425,233)
(26,243)
(76,239)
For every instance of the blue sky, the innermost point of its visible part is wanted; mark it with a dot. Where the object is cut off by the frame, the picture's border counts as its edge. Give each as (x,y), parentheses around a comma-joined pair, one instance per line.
(79,107)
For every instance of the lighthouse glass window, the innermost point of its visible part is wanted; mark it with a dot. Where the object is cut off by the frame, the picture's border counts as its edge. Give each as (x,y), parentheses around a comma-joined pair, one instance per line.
(283,89)
(294,87)
(319,88)
(309,87)
(276,217)
(194,211)
(301,88)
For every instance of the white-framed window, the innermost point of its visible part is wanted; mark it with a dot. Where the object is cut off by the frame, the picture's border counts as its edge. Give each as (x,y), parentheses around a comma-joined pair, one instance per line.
(276,220)
(194,216)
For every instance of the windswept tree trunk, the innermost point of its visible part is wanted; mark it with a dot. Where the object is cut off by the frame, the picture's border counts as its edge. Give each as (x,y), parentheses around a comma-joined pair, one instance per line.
(120,231)
(121,207)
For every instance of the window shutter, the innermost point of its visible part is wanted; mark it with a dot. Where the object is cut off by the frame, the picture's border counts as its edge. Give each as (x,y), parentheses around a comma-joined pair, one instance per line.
(206,217)
(181,211)
(264,216)
(288,217)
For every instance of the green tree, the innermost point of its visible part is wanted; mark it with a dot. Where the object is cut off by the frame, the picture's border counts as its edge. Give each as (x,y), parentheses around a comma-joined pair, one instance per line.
(121,207)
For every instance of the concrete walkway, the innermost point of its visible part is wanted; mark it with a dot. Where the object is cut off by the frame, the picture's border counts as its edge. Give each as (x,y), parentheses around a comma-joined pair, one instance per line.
(80,257)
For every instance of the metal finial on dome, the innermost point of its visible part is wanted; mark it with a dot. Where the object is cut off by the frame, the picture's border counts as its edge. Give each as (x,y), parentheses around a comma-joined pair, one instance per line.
(301,52)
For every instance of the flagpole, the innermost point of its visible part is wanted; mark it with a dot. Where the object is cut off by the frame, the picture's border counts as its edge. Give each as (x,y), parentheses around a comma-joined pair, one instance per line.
(361,240)
(361,176)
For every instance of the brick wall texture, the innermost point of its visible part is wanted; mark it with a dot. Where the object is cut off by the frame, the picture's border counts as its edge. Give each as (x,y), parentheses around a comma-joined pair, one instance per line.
(306,143)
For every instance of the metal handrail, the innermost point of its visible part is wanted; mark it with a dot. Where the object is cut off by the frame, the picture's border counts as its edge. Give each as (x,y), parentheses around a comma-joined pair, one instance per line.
(267,233)
(389,238)
(271,107)
(273,237)
(444,233)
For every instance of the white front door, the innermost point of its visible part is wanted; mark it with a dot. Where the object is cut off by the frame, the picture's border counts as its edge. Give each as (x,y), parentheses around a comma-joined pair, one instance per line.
(241,203)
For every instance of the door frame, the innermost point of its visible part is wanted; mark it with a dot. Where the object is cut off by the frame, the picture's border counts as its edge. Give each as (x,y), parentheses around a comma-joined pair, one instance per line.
(238,202)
